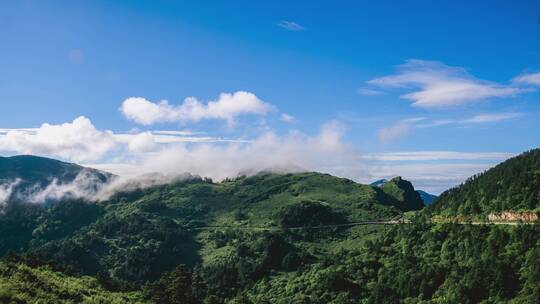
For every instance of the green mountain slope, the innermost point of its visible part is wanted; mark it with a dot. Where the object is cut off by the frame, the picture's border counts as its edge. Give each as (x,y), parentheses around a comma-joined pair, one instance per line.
(41,170)
(427,198)
(268,238)
(137,236)
(20,283)
(418,263)
(27,175)
(513,185)
(403,192)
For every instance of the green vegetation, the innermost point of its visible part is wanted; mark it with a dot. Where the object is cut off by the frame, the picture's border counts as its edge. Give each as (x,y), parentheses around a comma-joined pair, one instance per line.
(419,263)
(403,192)
(512,185)
(33,171)
(269,238)
(22,283)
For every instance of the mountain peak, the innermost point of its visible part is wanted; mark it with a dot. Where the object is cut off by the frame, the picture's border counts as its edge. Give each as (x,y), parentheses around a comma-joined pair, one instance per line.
(404,193)
(379,183)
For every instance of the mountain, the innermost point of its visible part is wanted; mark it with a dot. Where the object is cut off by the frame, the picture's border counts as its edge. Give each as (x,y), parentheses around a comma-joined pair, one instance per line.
(267,238)
(27,177)
(427,198)
(379,183)
(107,236)
(513,185)
(22,283)
(403,192)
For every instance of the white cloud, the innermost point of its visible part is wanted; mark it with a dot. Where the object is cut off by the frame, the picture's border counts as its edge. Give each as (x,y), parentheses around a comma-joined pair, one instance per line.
(293,152)
(287,118)
(394,132)
(290,26)
(77,141)
(80,141)
(176,152)
(6,189)
(530,78)
(432,171)
(142,142)
(485,118)
(226,107)
(173,132)
(440,85)
(433,178)
(85,185)
(369,92)
(162,137)
(437,155)
(406,126)
(172,152)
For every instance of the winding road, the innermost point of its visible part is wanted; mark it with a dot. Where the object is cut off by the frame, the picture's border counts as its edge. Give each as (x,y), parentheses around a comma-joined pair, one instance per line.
(371,222)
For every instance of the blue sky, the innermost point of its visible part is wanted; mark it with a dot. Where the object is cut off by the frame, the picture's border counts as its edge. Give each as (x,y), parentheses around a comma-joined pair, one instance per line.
(380,77)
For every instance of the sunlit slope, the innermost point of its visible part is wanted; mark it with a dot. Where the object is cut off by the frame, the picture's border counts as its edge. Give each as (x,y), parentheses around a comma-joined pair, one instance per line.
(138,235)
(513,185)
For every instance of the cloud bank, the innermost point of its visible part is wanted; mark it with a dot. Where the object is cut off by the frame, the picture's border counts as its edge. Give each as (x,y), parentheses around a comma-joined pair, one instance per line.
(292,152)
(78,140)
(174,153)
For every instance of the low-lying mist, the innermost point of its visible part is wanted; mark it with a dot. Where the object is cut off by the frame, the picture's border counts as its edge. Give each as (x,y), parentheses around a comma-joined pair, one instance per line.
(86,186)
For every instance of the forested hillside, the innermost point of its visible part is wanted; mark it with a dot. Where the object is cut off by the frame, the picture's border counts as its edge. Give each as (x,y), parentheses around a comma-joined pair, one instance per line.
(268,238)
(513,185)
(33,179)
(403,192)
(136,236)
(32,283)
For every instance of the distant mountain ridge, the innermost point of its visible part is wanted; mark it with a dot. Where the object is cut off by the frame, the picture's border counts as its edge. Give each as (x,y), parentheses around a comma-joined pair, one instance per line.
(427,198)
(379,183)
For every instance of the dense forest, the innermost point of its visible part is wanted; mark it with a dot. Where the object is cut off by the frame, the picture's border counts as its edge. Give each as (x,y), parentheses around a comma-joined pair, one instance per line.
(271,238)
(511,185)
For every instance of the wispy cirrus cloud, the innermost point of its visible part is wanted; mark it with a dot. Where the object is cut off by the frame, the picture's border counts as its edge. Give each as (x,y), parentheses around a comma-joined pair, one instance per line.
(490,117)
(398,130)
(437,155)
(369,92)
(436,85)
(291,26)
(406,126)
(528,78)
(287,118)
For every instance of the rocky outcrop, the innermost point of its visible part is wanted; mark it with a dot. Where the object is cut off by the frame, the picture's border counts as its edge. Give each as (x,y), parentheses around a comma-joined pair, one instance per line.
(403,192)
(509,216)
